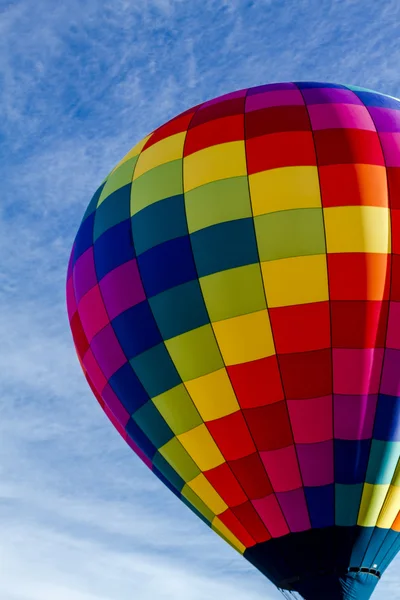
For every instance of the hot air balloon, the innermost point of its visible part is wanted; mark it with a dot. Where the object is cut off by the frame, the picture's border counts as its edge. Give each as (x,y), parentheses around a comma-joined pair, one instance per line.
(234,298)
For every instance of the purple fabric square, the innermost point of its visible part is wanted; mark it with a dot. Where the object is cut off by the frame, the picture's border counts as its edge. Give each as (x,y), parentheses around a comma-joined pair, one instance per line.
(107,351)
(275,98)
(115,406)
(84,274)
(271,87)
(122,288)
(391,373)
(357,371)
(224,98)
(71,302)
(294,507)
(95,373)
(330,96)
(316,463)
(393,330)
(354,416)
(385,119)
(70,262)
(391,148)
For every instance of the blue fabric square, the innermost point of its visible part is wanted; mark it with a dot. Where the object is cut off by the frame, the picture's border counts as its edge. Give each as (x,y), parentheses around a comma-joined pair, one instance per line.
(378,100)
(113,248)
(387,419)
(318,84)
(179,309)
(377,539)
(360,544)
(84,238)
(140,439)
(156,370)
(113,210)
(136,330)
(158,223)
(94,201)
(351,460)
(128,388)
(167,265)
(321,505)
(224,246)
(389,549)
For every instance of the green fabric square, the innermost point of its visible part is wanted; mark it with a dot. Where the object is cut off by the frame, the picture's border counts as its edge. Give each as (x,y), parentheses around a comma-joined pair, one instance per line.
(114,210)
(189,494)
(118,178)
(289,233)
(195,353)
(161,182)
(176,455)
(347,503)
(168,472)
(233,292)
(383,458)
(153,424)
(155,370)
(178,410)
(216,202)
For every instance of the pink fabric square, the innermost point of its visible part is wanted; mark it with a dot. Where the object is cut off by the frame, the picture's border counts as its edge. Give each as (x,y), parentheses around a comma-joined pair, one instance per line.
(84,274)
(357,371)
(272,516)
(224,98)
(108,352)
(346,116)
(311,419)
(92,313)
(71,302)
(274,98)
(391,373)
(97,376)
(391,148)
(393,331)
(112,401)
(122,288)
(294,508)
(354,416)
(282,468)
(70,262)
(316,463)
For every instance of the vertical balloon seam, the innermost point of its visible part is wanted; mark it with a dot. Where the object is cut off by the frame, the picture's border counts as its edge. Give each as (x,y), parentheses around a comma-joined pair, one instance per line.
(387,320)
(330,312)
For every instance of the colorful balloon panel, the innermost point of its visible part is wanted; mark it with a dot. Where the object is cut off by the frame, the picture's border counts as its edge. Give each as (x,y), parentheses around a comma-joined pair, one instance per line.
(234,298)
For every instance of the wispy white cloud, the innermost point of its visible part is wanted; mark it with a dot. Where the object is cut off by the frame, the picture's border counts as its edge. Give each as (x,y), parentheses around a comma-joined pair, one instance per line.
(81,518)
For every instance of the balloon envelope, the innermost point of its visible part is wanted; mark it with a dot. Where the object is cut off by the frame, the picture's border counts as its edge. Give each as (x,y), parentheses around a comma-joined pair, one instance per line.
(234,298)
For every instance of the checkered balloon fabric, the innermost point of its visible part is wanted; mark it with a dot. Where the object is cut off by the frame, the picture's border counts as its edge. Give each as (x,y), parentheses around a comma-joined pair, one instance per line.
(234,298)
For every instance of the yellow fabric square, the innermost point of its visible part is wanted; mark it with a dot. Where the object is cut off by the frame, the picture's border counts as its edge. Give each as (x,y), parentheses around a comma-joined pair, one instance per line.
(297,280)
(390,509)
(284,188)
(227,535)
(372,500)
(213,395)
(201,447)
(211,164)
(357,229)
(205,491)
(245,338)
(167,150)
(133,152)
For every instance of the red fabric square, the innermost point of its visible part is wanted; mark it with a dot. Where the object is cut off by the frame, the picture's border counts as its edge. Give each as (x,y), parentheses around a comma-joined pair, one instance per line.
(177,125)
(235,526)
(280,150)
(218,131)
(216,110)
(395,218)
(232,436)
(92,313)
(359,324)
(277,119)
(80,339)
(340,146)
(359,276)
(269,426)
(225,483)
(251,474)
(251,521)
(301,328)
(395,284)
(348,185)
(311,419)
(306,374)
(393,179)
(256,383)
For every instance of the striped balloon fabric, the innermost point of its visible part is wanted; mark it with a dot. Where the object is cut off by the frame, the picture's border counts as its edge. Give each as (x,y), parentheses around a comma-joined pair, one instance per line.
(234,298)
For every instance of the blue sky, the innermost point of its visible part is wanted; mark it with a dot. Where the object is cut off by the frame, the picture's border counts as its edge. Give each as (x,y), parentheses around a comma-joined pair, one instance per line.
(80,82)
